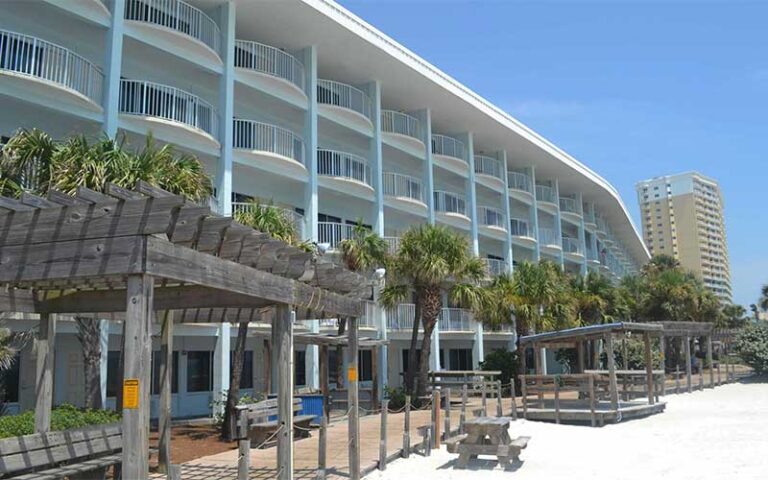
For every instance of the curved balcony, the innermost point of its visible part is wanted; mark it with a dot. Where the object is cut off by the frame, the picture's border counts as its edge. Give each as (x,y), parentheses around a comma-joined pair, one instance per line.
(401,317)
(455,320)
(173,114)
(270,69)
(31,66)
(572,247)
(404,192)
(345,104)
(569,209)
(269,147)
(451,208)
(450,153)
(520,187)
(333,233)
(548,238)
(489,171)
(492,221)
(589,218)
(403,131)
(343,171)
(161,22)
(495,267)
(521,231)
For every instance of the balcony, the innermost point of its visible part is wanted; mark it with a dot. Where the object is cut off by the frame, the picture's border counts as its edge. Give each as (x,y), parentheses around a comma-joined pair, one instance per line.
(490,172)
(272,70)
(522,234)
(401,317)
(403,131)
(520,187)
(569,209)
(589,218)
(345,172)
(295,218)
(404,192)
(492,221)
(572,246)
(546,195)
(31,66)
(450,154)
(455,320)
(452,208)
(161,22)
(174,115)
(548,238)
(592,255)
(333,233)
(269,147)
(346,105)
(495,267)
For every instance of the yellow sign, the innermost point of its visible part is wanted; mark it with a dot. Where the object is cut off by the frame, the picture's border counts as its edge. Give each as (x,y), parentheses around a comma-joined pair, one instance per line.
(352,374)
(131,393)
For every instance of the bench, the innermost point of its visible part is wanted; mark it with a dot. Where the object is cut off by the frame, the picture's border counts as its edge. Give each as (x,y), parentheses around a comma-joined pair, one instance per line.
(78,454)
(262,427)
(452,443)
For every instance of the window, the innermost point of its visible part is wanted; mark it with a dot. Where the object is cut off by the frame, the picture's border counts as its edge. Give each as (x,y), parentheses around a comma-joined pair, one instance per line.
(113,373)
(156,372)
(365,365)
(246,375)
(9,382)
(300,367)
(333,372)
(460,359)
(199,378)
(321,217)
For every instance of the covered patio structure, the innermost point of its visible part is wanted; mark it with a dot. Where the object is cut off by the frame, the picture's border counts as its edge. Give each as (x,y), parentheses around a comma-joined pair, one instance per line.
(145,255)
(686,333)
(590,394)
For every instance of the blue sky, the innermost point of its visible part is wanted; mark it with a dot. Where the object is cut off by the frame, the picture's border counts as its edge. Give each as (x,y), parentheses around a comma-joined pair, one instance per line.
(634,89)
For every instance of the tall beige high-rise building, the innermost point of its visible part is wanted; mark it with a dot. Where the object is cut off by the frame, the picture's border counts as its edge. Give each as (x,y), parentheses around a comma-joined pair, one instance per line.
(682,216)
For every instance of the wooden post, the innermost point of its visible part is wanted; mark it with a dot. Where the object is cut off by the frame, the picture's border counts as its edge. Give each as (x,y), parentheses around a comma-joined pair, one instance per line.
(321,448)
(596,354)
(463,414)
(407,428)
(687,348)
(677,379)
(324,389)
(353,400)
(427,442)
(524,359)
(484,400)
(282,325)
(725,358)
(514,400)
(243,445)
(436,419)
(557,402)
(44,359)
(700,351)
(611,371)
(580,355)
(164,410)
(592,400)
(710,363)
(447,429)
(524,396)
(267,366)
(719,377)
(499,410)
(539,370)
(136,376)
(649,368)
(663,348)
(383,436)
(375,380)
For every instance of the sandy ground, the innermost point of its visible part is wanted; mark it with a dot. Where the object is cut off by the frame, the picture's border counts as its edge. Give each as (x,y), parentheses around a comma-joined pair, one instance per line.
(719,434)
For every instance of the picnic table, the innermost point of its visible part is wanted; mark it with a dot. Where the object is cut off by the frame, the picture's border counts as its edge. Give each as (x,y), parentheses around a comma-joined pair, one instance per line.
(486,436)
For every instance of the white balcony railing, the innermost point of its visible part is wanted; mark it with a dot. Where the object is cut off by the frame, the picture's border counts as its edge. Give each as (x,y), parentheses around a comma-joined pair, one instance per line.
(589,217)
(403,186)
(601,225)
(568,204)
(485,165)
(448,146)
(331,163)
(545,193)
(548,236)
(339,94)
(572,245)
(400,123)
(47,61)
(270,61)
(449,202)
(178,16)
(491,217)
(332,233)
(591,254)
(295,217)
(455,320)
(393,244)
(520,228)
(252,135)
(519,181)
(155,100)
(401,317)
(495,267)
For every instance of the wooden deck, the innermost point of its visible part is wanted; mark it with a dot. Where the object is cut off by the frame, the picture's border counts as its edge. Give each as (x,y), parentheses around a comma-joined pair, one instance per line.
(578,411)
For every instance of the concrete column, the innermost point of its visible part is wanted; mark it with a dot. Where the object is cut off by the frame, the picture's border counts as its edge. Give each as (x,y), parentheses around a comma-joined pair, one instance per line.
(221,363)
(376,159)
(535,216)
(558,221)
(478,349)
(425,117)
(312,358)
(226,108)
(471,193)
(309,58)
(502,156)
(104,343)
(582,235)
(113,67)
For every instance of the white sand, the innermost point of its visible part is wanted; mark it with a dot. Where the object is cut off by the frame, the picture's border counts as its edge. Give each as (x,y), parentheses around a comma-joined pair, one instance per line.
(719,434)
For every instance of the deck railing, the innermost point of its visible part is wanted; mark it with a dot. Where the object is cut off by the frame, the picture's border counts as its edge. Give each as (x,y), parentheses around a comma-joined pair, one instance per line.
(495,267)
(485,165)
(339,94)
(545,193)
(568,204)
(252,135)
(572,245)
(401,317)
(448,146)
(333,232)
(331,163)
(519,181)
(548,236)
(404,186)
(400,123)
(520,228)
(269,60)
(491,217)
(178,16)
(155,100)
(455,320)
(449,202)
(47,61)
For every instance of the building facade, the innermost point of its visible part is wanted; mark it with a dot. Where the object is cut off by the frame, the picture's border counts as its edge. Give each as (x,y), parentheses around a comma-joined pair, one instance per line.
(302,104)
(683,217)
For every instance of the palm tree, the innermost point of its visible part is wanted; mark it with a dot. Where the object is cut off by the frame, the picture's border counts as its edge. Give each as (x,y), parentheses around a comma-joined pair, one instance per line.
(430,262)
(596,300)
(540,298)
(734,316)
(35,162)
(763,302)
(364,251)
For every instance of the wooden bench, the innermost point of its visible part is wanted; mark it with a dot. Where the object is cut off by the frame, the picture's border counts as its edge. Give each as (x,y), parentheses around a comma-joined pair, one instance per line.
(262,428)
(452,443)
(78,454)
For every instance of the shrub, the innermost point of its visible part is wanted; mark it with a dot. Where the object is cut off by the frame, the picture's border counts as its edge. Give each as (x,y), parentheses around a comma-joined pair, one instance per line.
(502,360)
(64,417)
(752,346)
(396,397)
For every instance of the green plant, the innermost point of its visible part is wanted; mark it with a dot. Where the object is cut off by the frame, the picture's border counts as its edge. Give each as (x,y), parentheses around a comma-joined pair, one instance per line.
(396,396)
(501,360)
(752,346)
(64,417)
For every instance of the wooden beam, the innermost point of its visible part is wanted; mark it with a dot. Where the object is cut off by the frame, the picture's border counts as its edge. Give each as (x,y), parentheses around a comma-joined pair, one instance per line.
(17,300)
(45,355)
(283,325)
(164,409)
(614,389)
(136,377)
(353,400)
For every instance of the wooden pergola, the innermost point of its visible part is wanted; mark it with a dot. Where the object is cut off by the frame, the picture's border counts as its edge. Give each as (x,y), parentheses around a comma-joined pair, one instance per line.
(589,382)
(145,254)
(685,331)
